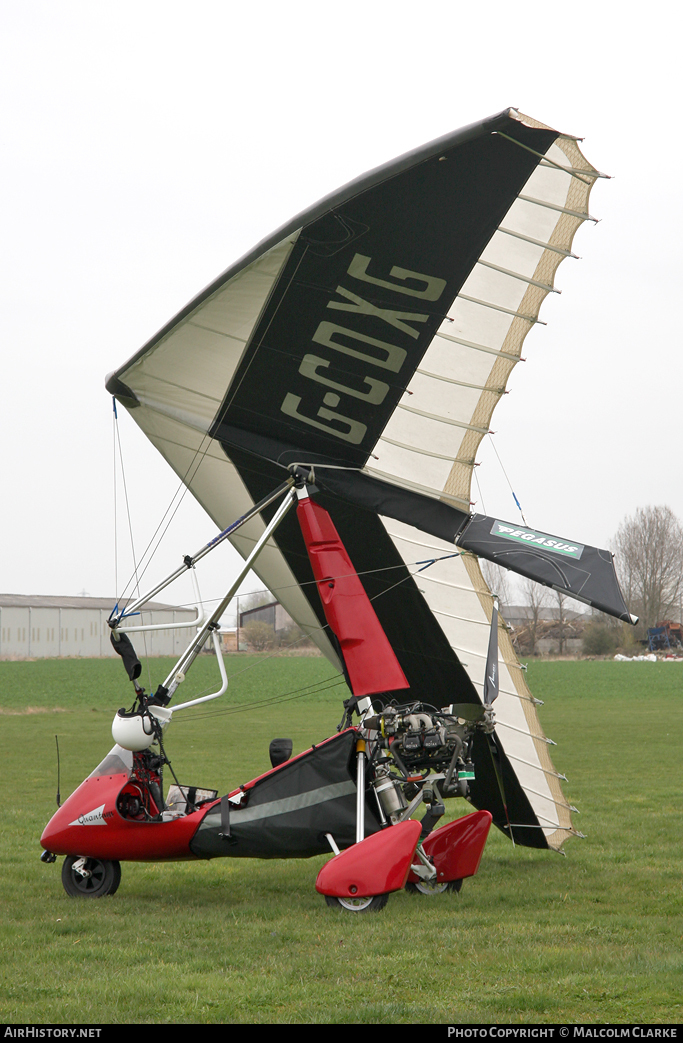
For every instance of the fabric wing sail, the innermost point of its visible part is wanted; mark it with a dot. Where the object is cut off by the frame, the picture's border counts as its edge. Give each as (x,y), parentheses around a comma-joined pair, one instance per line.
(371,338)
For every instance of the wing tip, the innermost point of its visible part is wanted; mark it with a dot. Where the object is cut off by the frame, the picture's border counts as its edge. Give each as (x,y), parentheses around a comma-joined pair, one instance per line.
(121,391)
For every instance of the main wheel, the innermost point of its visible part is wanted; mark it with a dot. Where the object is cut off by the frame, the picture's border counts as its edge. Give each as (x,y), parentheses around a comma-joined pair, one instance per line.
(429,888)
(103,879)
(371,904)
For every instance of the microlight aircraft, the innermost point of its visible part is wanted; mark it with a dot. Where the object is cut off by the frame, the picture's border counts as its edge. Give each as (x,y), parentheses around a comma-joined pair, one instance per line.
(330,391)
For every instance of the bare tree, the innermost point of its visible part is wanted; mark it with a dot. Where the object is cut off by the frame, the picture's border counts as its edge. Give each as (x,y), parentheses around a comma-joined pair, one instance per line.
(536,598)
(648,549)
(561,618)
(497,580)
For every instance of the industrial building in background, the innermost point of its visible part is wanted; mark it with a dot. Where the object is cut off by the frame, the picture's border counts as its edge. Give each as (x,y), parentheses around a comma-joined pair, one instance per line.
(271,613)
(40,627)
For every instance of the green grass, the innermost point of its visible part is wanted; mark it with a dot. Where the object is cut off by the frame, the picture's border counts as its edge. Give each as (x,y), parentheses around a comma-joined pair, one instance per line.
(533,938)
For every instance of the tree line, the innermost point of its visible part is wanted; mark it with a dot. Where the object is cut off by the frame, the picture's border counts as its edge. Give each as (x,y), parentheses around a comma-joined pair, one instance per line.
(648,554)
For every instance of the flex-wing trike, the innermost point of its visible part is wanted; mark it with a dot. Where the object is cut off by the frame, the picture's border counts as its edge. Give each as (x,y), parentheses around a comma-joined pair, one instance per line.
(353,795)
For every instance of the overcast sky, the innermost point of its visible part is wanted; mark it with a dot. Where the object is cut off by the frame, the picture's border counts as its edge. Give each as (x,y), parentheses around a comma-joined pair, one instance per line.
(146,146)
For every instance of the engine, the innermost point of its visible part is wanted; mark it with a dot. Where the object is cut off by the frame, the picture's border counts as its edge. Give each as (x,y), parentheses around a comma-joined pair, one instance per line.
(427,740)
(413,741)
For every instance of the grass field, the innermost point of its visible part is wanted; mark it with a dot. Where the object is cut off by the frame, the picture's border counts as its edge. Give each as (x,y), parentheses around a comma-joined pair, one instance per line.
(533,938)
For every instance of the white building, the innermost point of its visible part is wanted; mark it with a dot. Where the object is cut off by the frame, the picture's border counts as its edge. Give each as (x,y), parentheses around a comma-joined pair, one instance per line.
(38,626)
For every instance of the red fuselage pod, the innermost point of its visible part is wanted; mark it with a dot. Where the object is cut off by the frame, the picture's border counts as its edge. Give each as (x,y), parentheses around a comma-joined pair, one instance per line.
(375,866)
(456,848)
(284,813)
(89,823)
(370,660)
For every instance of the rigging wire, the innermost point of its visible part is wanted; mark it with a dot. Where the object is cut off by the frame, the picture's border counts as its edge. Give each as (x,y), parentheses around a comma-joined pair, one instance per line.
(340,679)
(183,485)
(248,706)
(310,582)
(116,534)
(201,452)
(508,481)
(411,575)
(117,441)
(117,444)
(299,693)
(481,495)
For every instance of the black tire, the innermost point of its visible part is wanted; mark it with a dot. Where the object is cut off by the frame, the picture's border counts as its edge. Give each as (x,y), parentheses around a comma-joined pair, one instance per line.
(423,887)
(369,904)
(104,878)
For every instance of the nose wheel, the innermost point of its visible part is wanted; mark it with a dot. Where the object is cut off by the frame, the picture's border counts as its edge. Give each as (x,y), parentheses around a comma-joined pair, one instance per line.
(90,877)
(425,887)
(371,904)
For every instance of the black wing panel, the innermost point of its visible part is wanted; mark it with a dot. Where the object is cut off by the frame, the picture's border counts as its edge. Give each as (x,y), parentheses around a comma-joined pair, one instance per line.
(583,572)
(364,291)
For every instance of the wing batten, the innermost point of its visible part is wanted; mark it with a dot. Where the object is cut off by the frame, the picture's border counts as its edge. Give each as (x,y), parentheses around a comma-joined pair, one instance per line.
(560,209)
(477,347)
(538,242)
(517,275)
(442,419)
